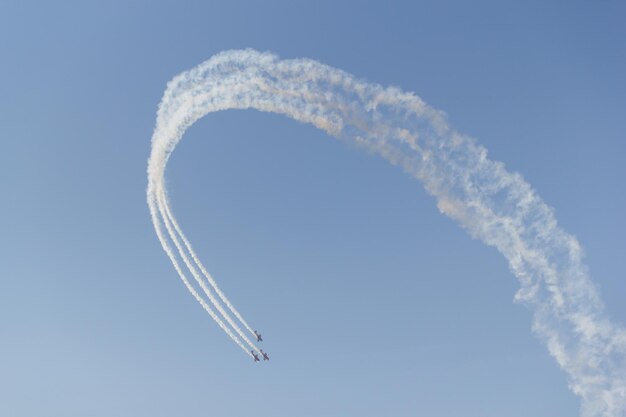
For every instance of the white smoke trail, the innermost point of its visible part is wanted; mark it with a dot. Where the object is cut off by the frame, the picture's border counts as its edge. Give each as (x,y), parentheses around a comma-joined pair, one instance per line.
(155,211)
(199,264)
(496,206)
(167,217)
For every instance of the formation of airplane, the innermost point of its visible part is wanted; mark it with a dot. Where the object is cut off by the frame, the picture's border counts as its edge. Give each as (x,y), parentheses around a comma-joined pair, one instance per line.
(259,338)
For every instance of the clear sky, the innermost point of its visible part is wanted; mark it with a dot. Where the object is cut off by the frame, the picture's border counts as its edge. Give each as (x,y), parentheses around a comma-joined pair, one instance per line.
(370,301)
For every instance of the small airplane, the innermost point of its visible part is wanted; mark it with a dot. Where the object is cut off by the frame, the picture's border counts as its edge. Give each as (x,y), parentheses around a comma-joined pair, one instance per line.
(265,357)
(256,357)
(259,338)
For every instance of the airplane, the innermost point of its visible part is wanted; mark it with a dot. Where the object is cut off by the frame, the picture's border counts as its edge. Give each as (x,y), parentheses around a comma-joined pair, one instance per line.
(256,357)
(259,338)
(265,357)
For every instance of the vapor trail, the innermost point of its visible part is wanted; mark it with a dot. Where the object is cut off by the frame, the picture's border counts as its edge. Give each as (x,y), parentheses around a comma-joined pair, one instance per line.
(156,213)
(169,221)
(206,274)
(496,206)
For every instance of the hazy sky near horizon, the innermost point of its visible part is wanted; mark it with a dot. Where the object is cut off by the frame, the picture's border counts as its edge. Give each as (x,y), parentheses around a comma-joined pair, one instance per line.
(370,301)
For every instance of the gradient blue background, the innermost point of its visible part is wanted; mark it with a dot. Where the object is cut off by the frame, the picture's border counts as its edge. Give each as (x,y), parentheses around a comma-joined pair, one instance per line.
(370,301)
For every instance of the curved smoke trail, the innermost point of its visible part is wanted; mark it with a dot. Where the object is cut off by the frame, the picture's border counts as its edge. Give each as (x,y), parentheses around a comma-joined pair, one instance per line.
(494,205)
(175,233)
(206,274)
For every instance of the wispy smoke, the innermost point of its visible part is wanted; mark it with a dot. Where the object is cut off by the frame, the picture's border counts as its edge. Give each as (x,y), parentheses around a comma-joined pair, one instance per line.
(493,205)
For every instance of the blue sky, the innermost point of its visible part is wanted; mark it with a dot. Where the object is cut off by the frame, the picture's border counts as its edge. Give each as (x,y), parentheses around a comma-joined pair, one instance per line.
(370,301)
